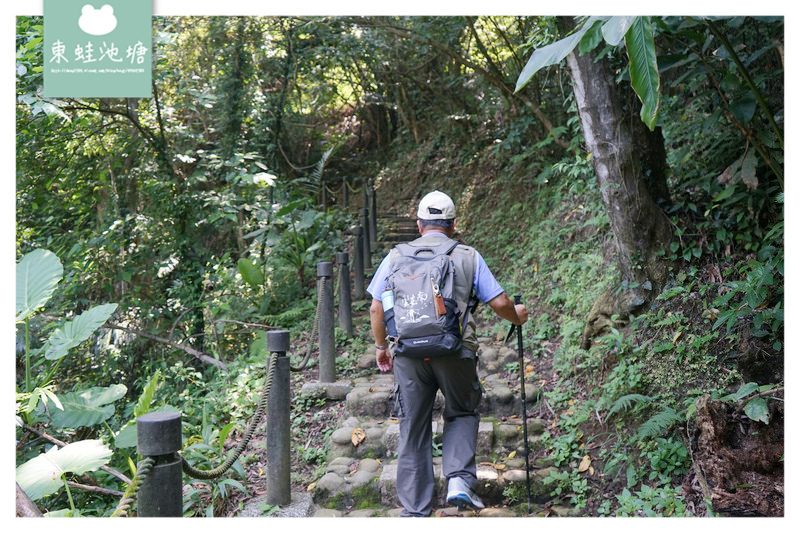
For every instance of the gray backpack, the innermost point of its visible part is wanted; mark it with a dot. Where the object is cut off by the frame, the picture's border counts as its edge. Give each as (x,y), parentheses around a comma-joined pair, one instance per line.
(420,314)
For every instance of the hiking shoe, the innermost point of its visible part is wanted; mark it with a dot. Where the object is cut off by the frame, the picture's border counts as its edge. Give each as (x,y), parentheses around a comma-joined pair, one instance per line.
(460,495)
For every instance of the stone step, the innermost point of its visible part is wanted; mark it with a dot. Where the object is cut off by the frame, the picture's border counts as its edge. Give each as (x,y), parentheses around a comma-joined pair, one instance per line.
(368,483)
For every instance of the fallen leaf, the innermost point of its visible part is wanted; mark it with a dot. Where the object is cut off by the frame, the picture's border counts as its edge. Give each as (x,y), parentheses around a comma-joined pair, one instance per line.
(591,470)
(311,487)
(677,336)
(358,436)
(512,454)
(500,466)
(586,462)
(260,472)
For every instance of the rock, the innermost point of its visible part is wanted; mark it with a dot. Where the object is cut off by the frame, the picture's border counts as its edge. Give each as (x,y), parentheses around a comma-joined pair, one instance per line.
(488,354)
(351,422)
(327,513)
(394,513)
(388,484)
(329,483)
(346,461)
(535,426)
(391,437)
(300,505)
(366,361)
(369,401)
(532,393)
(508,435)
(561,510)
(496,512)
(374,434)
(362,478)
(503,394)
(485,437)
(516,462)
(489,487)
(343,436)
(369,465)
(364,513)
(507,354)
(340,469)
(514,475)
(332,391)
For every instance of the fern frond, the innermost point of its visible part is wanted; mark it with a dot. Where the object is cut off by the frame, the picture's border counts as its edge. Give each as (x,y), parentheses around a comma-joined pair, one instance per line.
(625,402)
(659,423)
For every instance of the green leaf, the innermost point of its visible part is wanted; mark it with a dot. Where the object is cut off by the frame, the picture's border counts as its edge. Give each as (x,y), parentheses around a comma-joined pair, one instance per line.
(552,54)
(149,391)
(38,273)
(744,108)
(41,475)
(591,39)
(744,391)
(251,274)
(615,29)
(77,330)
(757,409)
(725,194)
(643,66)
(88,407)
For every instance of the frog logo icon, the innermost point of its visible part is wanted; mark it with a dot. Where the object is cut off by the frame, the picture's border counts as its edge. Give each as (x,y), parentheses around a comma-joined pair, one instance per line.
(97,21)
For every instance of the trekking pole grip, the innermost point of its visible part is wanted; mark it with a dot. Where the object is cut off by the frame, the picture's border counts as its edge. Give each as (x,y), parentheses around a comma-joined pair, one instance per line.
(517,299)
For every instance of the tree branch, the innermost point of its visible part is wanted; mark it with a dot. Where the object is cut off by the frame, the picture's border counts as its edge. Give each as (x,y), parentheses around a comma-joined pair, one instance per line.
(25,506)
(99,490)
(490,77)
(188,349)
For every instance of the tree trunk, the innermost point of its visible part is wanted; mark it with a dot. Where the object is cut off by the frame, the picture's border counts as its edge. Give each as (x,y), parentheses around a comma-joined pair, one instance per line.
(620,157)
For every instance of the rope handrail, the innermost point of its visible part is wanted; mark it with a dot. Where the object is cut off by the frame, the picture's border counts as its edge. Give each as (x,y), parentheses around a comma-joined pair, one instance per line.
(251,429)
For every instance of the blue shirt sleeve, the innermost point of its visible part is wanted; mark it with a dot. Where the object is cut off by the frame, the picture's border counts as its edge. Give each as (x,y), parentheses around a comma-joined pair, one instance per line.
(378,283)
(484,284)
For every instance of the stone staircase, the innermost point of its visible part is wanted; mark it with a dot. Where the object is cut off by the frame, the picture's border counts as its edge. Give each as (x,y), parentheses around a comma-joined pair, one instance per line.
(394,228)
(361,469)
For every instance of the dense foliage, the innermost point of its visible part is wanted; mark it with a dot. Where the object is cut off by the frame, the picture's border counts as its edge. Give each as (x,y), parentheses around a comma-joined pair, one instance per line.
(197,216)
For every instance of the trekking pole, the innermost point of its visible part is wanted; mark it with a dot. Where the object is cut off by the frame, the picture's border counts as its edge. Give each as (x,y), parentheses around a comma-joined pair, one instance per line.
(518,300)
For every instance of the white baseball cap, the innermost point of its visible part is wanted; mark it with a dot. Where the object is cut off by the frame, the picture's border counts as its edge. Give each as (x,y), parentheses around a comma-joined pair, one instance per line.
(436,205)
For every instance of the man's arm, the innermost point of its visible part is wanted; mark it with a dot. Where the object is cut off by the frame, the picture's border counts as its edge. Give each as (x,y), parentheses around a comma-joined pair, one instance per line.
(382,356)
(505,308)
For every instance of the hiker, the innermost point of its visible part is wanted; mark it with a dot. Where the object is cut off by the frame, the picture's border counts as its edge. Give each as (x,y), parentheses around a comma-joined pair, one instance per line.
(419,374)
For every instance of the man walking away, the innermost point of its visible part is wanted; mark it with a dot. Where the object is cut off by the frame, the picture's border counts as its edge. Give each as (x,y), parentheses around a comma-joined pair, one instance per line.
(419,375)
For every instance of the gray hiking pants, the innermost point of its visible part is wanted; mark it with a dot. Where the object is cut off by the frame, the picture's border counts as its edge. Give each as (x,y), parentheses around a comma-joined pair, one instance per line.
(418,381)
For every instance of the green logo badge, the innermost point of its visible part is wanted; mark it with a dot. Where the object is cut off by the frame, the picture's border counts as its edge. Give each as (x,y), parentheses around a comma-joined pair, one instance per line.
(98,48)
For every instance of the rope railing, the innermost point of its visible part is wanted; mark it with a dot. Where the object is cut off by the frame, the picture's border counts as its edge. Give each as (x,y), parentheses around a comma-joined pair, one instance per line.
(156,488)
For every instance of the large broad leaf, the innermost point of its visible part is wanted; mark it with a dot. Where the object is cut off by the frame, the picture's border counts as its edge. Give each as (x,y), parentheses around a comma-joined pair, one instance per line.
(552,54)
(251,274)
(38,273)
(644,68)
(77,330)
(87,408)
(616,28)
(41,475)
(757,409)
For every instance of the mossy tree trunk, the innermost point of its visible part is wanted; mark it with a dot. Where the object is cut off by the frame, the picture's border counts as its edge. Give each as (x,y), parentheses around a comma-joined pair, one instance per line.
(630,167)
